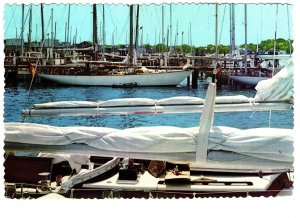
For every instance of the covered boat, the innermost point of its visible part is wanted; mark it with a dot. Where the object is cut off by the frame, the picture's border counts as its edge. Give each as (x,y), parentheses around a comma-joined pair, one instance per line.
(171,161)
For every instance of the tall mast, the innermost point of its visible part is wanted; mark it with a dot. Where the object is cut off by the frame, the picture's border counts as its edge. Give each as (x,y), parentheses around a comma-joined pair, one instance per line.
(246,39)
(17,39)
(275,37)
(30,28)
(216,33)
(170,24)
(137,28)
(191,35)
(95,41)
(290,44)
(22,32)
(68,26)
(216,45)
(103,28)
(36,28)
(75,35)
(162,26)
(232,42)
(131,35)
(52,33)
(42,17)
(230,30)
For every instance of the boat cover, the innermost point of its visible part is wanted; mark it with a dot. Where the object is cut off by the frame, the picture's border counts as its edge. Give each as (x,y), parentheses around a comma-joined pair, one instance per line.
(127,102)
(280,87)
(255,147)
(75,160)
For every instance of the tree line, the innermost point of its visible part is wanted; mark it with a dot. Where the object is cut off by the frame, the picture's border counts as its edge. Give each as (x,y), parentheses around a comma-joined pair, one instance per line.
(266,45)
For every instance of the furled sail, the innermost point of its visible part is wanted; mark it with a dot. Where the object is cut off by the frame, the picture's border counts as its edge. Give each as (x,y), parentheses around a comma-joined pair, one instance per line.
(254,148)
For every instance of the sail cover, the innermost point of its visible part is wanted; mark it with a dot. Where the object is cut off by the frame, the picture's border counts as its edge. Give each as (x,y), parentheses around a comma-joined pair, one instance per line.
(280,87)
(271,147)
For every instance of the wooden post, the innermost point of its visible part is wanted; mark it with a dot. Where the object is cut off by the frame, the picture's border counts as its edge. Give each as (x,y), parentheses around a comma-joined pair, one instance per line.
(195,75)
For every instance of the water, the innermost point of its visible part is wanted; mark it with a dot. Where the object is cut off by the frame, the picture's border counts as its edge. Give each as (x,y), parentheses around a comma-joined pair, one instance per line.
(17,99)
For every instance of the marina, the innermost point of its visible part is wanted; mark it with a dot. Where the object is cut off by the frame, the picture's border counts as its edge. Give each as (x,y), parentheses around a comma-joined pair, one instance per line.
(93,120)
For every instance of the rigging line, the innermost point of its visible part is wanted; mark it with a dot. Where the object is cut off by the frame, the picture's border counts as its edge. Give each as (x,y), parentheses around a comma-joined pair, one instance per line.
(24,23)
(12,16)
(222,24)
(31,82)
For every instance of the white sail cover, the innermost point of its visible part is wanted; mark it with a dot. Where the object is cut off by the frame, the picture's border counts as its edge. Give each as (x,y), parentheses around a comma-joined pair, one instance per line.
(269,147)
(126,102)
(280,87)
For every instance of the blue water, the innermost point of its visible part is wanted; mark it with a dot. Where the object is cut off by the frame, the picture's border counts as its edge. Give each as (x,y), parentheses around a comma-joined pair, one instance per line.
(17,99)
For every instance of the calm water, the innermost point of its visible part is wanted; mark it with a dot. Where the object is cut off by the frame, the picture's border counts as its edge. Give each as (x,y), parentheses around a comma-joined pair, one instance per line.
(17,99)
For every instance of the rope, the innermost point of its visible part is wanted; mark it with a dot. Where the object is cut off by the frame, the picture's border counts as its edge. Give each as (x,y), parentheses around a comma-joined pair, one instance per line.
(222,25)
(12,16)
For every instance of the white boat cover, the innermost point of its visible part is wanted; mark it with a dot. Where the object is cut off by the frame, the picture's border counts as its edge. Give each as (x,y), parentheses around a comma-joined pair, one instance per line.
(180,100)
(75,160)
(255,147)
(280,87)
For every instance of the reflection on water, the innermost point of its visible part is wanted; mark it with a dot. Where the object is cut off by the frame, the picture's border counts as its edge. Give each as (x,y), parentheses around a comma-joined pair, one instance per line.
(17,99)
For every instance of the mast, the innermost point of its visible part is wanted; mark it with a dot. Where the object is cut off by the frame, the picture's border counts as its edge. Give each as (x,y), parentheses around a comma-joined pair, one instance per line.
(52,33)
(68,26)
(131,35)
(216,34)
(216,45)
(75,35)
(43,34)
(246,52)
(162,28)
(232,39)
(36,27)
(170,24)
(22,32)
(95,41)
(103,28)
(30,28)
(191,35)
(17,38)
(137,28)
(275,37)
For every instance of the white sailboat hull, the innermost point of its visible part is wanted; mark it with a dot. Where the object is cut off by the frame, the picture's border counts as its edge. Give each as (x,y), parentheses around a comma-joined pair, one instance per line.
(151,79)
(248,80)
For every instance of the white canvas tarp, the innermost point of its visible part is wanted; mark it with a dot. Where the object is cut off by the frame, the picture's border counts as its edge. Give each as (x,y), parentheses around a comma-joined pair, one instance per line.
(261,146)
(280,87)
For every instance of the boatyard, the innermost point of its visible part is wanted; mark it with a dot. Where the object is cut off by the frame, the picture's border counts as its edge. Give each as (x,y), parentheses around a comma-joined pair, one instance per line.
(118,107)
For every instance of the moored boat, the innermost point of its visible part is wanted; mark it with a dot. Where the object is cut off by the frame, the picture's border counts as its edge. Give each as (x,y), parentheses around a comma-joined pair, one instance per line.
(150,78)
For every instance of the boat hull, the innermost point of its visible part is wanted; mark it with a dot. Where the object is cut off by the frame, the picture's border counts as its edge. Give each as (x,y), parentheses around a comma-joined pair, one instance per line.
(152,79)
(248,80)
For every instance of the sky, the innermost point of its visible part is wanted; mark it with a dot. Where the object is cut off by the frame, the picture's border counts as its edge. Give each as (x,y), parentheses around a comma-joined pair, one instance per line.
(261,22)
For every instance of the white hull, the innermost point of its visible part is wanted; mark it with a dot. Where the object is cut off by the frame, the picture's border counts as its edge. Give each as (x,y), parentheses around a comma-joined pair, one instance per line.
(248,80)
(151,79)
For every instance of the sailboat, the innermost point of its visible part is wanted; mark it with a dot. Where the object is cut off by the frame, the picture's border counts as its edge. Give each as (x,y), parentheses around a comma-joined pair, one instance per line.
(267,62)
(156,161)
(97,74)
